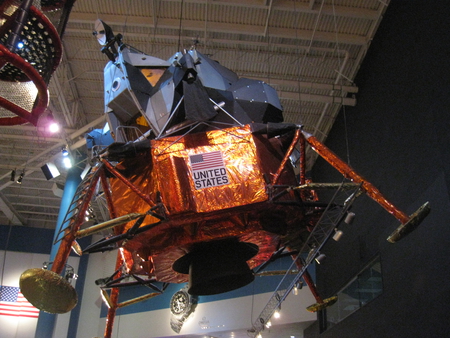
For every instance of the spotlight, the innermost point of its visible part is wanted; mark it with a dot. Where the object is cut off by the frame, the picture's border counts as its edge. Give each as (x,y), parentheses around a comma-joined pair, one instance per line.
(277,313)
(269,324)
(13,175)
(337,235)
(53,127)
(67,162)
(64,151)
(320,258)
(349,218)
(297,286)
(20,45)
(22,174)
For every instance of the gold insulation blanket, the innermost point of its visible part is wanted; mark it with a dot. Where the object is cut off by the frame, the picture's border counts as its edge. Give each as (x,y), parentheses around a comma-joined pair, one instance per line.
(212,186)
(236,180)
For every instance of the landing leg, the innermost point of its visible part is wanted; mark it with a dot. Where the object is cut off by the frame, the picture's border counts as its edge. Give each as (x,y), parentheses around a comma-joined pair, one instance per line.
(408,223)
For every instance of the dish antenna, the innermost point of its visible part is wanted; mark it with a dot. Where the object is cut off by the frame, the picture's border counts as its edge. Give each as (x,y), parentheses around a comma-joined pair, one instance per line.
(102,32)
(107,39)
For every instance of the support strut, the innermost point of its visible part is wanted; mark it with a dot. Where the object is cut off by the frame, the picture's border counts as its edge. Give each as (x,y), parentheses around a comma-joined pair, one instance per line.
(408,223)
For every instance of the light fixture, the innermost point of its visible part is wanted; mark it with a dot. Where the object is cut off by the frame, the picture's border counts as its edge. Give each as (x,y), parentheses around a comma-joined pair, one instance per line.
(13,175)
(349,218)
(337,234)
(320,258)
(20,45)
(67,162)
(259,335)
(22,174)
(53,127)
(297,286)
(46,124)
(277,313)
(50,170)
(65,151)
(269,324)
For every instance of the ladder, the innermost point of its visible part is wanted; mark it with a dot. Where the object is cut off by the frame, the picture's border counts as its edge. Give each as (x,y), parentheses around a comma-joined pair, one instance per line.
(322,231)
(80,203)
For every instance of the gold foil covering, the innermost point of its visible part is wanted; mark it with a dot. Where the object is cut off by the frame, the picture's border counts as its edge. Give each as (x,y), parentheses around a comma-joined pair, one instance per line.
(48,291)
(234,206)
(180,188)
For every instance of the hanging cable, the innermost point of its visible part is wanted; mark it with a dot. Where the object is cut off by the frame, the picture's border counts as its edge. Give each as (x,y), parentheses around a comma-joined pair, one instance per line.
(4,256)
(179,29)
(339,81)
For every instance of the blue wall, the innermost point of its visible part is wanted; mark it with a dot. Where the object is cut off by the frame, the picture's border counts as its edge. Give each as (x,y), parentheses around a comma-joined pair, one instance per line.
(399,139)
(26,239)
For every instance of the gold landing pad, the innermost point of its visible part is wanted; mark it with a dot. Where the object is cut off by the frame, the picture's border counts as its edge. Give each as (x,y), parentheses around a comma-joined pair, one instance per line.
(48,291)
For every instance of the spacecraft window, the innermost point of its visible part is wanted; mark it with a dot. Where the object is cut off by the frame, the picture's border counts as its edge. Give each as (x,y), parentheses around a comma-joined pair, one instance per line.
(116,84)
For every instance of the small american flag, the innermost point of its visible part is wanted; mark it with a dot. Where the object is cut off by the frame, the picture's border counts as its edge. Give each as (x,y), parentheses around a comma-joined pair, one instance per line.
(13,303)
(206,160)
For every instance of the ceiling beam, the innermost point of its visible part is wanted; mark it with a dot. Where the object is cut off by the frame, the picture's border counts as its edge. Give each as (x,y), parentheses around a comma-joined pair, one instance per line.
(346,101)
(29,128)
(221,27)
(39,213)
(289,6)
(36,205)
(10,212)
(30,138)
(34,197)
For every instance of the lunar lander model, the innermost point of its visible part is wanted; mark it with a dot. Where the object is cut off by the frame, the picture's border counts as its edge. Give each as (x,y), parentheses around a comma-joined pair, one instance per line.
(199,184)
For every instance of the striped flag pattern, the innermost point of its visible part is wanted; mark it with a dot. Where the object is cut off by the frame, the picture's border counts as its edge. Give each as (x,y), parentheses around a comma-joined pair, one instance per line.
(206,160)
(13,303)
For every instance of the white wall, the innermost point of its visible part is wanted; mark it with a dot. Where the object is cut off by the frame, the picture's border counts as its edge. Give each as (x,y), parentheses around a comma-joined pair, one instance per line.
(224,315)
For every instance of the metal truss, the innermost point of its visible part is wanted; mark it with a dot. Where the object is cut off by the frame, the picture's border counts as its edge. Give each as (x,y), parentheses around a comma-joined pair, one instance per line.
(334,213)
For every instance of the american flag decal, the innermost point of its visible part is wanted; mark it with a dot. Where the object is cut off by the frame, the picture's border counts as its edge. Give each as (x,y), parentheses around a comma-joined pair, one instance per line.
(206,160)
(208,170)
(13,303)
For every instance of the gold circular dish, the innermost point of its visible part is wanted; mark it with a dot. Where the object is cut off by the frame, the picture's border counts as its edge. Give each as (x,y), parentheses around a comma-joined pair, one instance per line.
(48,291)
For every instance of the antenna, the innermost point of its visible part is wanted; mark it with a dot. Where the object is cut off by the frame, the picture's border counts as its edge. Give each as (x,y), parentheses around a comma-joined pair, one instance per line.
(106,38)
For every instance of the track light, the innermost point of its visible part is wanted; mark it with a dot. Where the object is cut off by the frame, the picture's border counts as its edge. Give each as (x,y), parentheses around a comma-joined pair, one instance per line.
(22,174)
(337,234)
(320,258)
(67,162)
(13,175)
(53,127)
(349,218)
(277,313)
(65,151)
(298,286)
